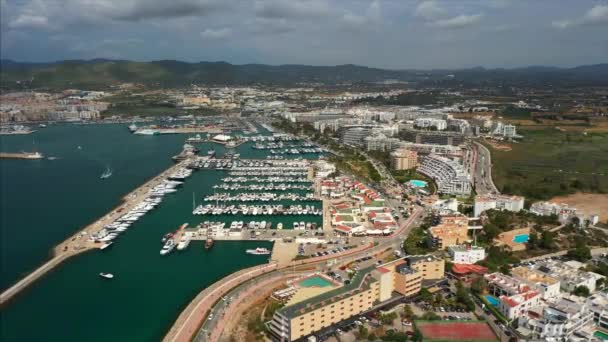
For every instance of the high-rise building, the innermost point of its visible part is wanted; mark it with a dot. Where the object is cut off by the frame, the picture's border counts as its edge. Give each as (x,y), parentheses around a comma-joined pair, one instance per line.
(404,159)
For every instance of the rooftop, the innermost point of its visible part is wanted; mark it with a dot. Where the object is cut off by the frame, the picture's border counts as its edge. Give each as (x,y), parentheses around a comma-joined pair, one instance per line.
(360,282)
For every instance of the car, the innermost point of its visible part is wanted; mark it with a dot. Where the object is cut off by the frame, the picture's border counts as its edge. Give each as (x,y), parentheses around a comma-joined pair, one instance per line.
(210,317)
(358,322)
(406,323)
(339,332)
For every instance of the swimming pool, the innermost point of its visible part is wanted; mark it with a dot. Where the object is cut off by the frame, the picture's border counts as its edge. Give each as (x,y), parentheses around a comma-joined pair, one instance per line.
(492,300)
(315,281)
(601,335)
(521,238)
(418,183)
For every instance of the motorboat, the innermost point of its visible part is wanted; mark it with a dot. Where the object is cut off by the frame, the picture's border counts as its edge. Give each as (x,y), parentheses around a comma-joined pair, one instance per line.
(106,275)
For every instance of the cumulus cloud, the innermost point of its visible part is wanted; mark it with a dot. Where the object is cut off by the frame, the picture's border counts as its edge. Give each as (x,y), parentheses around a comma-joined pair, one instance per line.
(295,9)
(28,21)
(370,19)
(436,16)
(429,10)
(596,16)
(220,33)
(458,21)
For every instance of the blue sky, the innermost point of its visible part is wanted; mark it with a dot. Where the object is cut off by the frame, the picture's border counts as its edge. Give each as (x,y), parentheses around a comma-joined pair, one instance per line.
(382,33)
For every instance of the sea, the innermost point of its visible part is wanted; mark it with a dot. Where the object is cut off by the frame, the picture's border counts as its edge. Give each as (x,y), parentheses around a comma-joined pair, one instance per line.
(44,201)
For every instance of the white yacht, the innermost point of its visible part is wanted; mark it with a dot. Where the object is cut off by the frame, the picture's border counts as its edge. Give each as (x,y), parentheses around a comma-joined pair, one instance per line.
(168,247)
(258,251)
(106,275)
(183,243)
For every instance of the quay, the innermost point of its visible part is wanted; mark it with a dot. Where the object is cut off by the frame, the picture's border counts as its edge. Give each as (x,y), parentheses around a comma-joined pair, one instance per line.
(21,155)
(79,242)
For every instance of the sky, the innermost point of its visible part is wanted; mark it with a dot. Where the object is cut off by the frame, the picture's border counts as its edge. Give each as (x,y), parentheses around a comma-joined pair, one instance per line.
(395,34)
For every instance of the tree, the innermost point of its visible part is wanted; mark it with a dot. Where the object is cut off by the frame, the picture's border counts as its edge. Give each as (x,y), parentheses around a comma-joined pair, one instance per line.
(580,253)
(533,241)
(408,312)
(363,332)
(425,295)
(581,291)
(430,316)
(479,285)
(388,318)
(505,269)
(372,337)
(547,240)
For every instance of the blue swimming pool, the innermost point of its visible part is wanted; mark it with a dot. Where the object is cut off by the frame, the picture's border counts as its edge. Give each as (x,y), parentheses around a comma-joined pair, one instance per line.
(418,183)
(315,281)
(521,238)
(492,300)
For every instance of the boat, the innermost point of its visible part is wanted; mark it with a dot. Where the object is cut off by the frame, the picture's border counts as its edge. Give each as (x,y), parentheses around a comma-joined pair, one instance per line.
(183,243)
(166,237)
(106,275)
(258,251)
(105,245)
(106,174)
(132,128)
(280,225)
(168,247)
(209,243)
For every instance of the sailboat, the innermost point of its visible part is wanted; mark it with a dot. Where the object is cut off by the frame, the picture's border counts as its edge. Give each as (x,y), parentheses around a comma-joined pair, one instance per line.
(106,174)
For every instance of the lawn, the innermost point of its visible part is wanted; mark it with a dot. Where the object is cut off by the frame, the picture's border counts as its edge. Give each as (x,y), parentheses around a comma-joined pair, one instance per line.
(550,162)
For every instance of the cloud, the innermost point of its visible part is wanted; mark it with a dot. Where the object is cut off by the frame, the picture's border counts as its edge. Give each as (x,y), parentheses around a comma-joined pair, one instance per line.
(372,18)
(152,9)
(596,16)
(28,21)
(294,9)
(216,33)
(429,10)
(458,21)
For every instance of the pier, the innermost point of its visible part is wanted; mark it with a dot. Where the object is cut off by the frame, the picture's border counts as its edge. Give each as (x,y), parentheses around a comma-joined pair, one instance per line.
(79,242)
(21,155)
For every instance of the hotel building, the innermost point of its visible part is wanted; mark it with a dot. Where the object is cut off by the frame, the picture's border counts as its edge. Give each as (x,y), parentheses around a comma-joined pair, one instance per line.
(450,176)
(313,310)
(452,230)
(515,297)
(403,159)
(501,202)
(466,254)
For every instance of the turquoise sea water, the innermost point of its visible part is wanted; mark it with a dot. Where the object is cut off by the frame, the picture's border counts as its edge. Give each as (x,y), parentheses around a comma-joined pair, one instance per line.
(44,201)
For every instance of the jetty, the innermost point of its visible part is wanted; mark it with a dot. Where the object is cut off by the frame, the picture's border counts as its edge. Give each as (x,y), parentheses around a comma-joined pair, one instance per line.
(80,242)
(21,155)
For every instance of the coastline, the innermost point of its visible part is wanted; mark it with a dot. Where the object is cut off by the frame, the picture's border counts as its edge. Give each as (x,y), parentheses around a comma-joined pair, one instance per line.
(78,243)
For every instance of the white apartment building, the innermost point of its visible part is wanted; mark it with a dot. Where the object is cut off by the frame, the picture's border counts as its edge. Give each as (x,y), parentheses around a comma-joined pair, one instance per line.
(598,304)
(466,254)
(557,321)
(439,124)
(451,177)
(548,286)
(515,297)
(501,202)
(380,142)
(568,273)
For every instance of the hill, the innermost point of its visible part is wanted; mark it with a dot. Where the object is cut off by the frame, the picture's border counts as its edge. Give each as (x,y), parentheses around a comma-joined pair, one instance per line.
(169,73)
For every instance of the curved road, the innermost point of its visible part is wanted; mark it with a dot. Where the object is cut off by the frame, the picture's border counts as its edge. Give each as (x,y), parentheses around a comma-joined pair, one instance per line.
(209,299)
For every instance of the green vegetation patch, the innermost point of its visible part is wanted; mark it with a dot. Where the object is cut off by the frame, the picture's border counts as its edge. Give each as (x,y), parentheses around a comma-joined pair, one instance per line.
(550,163)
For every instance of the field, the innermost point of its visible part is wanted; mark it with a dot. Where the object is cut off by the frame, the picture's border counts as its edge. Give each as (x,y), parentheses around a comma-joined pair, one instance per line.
(550,162)
(455,331)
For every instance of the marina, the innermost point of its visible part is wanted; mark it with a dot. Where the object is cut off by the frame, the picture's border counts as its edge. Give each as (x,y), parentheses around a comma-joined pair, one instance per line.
(145,213)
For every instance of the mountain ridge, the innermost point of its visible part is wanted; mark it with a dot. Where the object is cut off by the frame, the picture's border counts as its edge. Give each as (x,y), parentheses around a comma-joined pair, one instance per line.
(102,72)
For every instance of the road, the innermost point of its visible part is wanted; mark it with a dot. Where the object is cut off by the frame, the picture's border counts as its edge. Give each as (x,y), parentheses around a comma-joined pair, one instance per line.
(210,331)
(482,176)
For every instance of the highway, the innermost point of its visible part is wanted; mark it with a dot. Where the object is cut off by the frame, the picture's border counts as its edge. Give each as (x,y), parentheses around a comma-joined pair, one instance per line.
(482,176)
